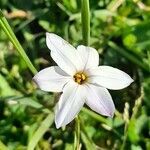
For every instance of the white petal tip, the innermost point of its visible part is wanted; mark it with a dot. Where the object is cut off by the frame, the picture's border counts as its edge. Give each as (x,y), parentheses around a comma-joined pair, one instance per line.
(127,83)
(111,115)
(58,125)
(131,80)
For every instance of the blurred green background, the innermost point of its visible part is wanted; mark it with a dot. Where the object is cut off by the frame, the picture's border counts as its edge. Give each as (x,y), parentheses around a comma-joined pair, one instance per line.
(120,31)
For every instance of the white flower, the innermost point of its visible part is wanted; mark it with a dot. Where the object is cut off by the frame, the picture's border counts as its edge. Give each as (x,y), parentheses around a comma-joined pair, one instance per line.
(80,79)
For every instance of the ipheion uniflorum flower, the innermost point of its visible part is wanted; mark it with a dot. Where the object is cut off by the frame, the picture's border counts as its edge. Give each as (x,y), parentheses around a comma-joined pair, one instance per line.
(80,80)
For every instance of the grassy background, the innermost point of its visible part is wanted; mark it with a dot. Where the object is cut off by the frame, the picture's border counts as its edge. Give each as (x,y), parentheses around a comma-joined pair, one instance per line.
(120,31)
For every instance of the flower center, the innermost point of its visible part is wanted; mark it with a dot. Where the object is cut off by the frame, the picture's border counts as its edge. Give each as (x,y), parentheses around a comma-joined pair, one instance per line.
(80,77)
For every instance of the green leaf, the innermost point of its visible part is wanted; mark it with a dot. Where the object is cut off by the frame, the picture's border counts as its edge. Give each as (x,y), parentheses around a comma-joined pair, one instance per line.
(129,56)
(29,102)
(5,89)
(47,122)
(103,14)
(134,147)
(45,25)
(136,38)
(132,131)
(9,32)
(2,146)
(87,142)
(68,146)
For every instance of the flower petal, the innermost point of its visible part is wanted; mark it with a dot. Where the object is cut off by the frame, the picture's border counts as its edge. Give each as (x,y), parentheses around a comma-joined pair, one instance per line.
(89,56)
(64,54)
(51,79)
(70,103)
(99,100)
(109,77)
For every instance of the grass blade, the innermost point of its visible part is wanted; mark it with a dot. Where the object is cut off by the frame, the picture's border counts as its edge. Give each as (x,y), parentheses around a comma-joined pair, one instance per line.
(47,122)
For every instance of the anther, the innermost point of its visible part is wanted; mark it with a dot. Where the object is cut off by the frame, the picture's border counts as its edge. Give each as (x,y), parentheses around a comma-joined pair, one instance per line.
(80,78)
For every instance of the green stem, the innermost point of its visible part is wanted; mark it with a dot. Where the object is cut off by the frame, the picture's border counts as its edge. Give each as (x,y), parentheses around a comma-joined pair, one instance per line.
(85,18)
(129,56)
(38,134)
(77,134)
(9,32)
(94,115)
(136,108)
(125,137)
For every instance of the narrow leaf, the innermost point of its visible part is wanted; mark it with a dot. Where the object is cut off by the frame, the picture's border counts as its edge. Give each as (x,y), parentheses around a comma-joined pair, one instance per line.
(47,122)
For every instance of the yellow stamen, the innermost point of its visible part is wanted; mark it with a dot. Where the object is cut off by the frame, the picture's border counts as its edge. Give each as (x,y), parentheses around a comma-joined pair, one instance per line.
(80,78)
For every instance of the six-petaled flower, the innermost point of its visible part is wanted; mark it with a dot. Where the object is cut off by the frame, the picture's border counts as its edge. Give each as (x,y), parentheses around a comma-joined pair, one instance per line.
(80,79)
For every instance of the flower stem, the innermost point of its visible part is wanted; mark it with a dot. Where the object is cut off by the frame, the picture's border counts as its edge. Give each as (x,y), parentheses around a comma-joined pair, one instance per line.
(77,134)
(85,18)
(9,32)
